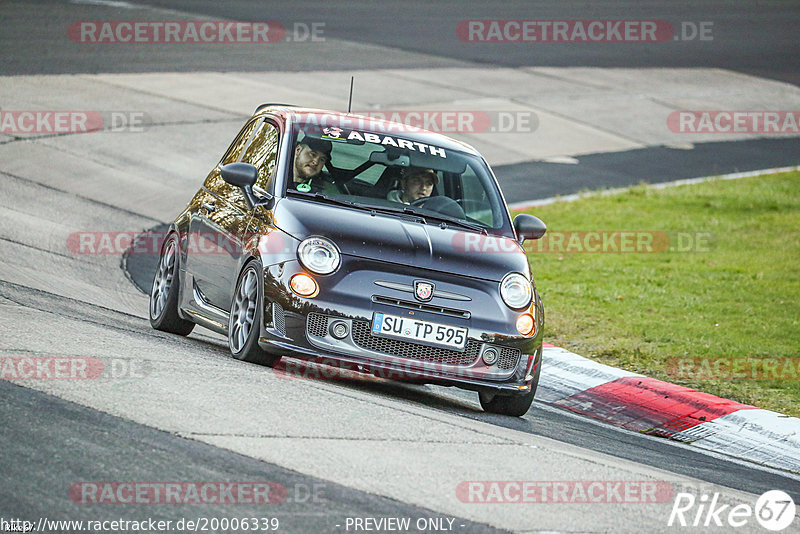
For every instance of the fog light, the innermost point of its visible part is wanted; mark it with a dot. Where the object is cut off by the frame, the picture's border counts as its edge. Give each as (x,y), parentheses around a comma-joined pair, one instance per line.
(304,285)
(490,355)
(339,329)
(525,324)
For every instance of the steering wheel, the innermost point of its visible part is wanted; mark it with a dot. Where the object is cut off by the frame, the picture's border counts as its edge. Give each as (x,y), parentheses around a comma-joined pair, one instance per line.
(441,204)
(338,177)
(334,181)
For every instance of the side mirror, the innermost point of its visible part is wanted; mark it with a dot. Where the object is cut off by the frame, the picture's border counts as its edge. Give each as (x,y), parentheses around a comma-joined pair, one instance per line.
(239,174)
(244,175)
(528,227)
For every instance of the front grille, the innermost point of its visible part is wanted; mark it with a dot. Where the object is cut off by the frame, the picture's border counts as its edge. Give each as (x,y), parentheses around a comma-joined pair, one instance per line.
(509,358)
(278,319)
(317,324)
(404,349)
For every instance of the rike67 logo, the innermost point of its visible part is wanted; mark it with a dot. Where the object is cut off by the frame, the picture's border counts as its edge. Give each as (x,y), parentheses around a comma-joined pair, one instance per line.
(774,510)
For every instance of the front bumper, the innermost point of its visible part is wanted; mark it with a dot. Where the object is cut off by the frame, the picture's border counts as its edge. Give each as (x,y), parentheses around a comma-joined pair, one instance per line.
(302,327)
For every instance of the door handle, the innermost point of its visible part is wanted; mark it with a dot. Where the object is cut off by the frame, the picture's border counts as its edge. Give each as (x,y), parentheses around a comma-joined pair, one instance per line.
(210,206)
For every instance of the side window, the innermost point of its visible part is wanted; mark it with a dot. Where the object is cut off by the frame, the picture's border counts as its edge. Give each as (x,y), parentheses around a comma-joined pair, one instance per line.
(242,140)
(263,153)
(257,144)
(475,203)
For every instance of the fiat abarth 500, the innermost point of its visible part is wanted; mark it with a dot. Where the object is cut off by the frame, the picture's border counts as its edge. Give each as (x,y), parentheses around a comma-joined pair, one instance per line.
(371,243)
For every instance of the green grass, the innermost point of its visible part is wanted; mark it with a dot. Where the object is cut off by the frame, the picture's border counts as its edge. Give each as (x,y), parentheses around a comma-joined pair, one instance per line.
(738,296)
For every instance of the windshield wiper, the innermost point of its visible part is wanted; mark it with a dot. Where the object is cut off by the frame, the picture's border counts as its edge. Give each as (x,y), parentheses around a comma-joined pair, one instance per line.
(325,198)
(350,204)
(417,215)
(406,212)
(422,217)
(447,219)
(366,207)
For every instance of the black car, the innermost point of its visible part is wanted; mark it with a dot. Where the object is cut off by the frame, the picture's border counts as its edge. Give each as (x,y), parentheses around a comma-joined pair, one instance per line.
(328,235)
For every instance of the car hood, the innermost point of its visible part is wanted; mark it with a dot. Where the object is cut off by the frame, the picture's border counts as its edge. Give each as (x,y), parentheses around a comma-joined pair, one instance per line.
(395,239)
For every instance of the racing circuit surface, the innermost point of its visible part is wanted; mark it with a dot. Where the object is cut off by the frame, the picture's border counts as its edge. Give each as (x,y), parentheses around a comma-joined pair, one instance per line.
(171,409)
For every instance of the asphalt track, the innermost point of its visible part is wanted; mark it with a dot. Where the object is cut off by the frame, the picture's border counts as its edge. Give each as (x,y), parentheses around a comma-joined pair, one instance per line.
(135,452)
(374,448)
(756,38)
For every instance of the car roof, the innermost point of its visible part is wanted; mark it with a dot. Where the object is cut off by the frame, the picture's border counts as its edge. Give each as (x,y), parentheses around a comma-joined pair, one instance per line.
(291,112)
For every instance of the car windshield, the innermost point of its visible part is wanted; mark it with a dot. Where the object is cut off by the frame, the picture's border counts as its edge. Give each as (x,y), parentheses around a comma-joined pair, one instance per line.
(395,173)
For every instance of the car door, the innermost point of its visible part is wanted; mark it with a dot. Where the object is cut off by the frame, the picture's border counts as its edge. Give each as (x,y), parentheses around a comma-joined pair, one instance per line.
(220,225)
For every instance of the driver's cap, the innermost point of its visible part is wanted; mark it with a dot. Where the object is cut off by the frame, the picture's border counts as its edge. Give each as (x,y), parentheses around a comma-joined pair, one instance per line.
(318,145)
(419,171)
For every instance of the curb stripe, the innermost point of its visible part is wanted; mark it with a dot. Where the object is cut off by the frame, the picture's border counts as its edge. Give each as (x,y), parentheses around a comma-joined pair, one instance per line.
(651,406)
(760,436)
(565,374)
(641,404)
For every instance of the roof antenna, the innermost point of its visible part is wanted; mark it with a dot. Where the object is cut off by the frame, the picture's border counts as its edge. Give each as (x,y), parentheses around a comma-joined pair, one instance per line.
(350,102)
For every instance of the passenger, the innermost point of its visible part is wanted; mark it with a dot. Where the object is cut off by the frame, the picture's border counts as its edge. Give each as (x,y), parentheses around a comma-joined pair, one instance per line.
(415,183)
(310,156)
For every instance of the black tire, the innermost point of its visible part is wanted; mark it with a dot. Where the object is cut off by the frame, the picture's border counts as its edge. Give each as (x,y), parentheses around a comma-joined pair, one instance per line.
(244,324)
(513,405)
(164,291)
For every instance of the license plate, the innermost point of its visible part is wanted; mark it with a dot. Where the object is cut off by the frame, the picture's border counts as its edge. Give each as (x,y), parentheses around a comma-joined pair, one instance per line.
(426,332)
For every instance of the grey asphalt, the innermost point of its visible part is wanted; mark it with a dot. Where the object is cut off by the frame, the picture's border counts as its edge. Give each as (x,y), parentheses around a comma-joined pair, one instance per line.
(78,445)
(757,38)
(653,165)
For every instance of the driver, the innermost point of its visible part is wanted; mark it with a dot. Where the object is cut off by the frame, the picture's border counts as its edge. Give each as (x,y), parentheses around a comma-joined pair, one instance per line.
(415,183)
(310,156)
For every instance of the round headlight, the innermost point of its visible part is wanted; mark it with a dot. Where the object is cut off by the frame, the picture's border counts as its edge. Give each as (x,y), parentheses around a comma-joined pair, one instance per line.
(516,291)
(526,324)
(304,285)
(319,255)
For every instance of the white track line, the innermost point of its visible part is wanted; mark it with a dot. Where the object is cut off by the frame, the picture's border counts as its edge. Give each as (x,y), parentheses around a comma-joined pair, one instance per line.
(525,204)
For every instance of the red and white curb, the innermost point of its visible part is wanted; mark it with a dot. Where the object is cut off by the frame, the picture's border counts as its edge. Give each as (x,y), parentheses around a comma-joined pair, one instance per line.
(655,407)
